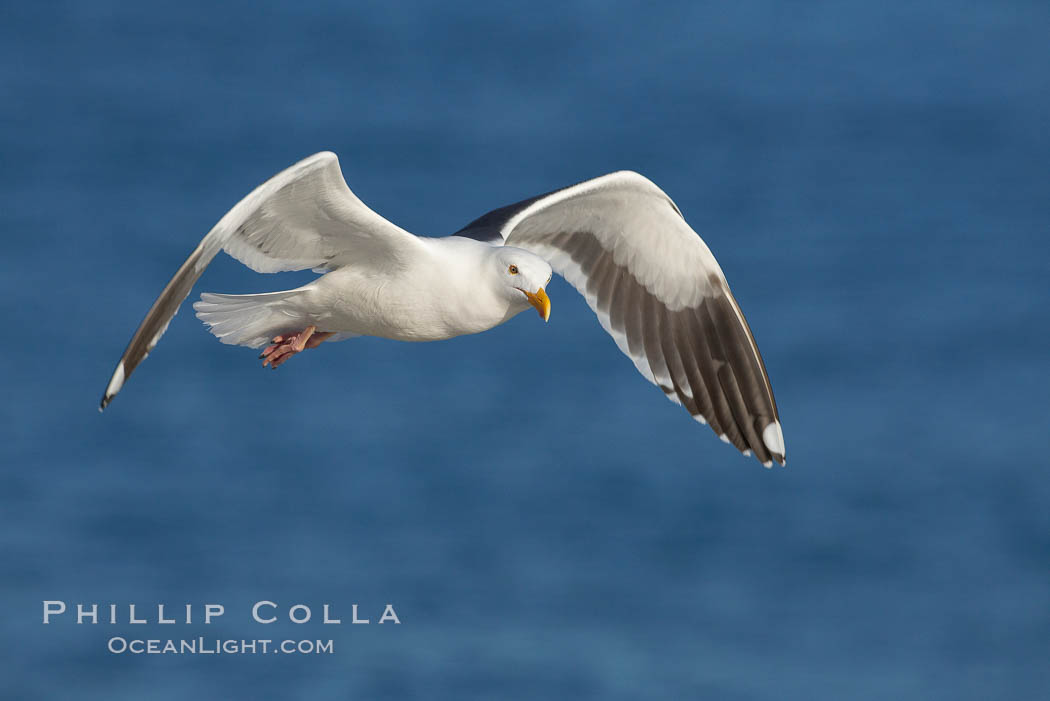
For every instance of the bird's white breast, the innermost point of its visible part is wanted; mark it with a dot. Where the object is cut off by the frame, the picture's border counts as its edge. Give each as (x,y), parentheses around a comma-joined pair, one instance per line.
(440,294)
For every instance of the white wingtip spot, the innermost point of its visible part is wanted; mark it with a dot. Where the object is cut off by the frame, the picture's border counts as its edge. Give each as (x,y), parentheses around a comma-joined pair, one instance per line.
(747,453)
(118,380)
(724,438)
(767,463)
(773,437)
(700,419)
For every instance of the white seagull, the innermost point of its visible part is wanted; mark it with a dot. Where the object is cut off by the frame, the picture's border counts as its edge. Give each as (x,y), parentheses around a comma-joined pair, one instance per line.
(618,239)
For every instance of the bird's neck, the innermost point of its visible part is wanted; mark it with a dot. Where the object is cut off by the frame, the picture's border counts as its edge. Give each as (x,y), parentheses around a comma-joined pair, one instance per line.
(469,301)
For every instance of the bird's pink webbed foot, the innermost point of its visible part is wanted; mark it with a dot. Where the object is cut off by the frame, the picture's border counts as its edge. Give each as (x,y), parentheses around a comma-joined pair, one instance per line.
(287,345)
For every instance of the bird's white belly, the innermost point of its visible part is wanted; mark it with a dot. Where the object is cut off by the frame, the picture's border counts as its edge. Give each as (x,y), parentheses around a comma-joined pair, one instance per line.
(346,301)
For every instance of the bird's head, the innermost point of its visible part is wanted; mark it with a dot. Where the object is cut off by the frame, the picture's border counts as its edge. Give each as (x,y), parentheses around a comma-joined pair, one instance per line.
(523,277)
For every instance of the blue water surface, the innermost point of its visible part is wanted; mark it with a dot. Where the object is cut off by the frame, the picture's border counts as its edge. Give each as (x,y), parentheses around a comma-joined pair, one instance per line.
(873,178)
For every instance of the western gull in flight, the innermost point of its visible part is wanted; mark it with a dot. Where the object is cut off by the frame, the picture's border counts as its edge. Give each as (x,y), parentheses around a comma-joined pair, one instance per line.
(618,239)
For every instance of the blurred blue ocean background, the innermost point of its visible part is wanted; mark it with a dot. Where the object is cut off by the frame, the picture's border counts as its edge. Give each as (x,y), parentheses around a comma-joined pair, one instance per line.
(873,178)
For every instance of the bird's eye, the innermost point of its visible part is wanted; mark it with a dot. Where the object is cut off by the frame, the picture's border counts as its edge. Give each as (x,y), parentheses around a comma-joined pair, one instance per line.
(513,270)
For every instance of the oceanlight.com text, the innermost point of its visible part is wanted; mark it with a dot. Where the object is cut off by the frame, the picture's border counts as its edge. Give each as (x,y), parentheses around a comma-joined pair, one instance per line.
(216,646)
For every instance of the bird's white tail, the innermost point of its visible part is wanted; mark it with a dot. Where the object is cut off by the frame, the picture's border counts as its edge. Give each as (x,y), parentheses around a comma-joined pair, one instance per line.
(250,320)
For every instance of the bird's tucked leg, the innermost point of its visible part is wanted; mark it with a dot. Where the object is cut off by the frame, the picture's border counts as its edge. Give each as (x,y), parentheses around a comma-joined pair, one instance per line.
(287,345)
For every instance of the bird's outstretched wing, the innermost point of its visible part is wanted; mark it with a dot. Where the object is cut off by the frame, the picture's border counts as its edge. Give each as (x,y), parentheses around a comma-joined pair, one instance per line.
(658,291)
(303,217)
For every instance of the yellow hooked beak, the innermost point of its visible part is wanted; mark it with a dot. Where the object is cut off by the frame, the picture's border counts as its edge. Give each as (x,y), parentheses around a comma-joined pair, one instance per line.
(541,301)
